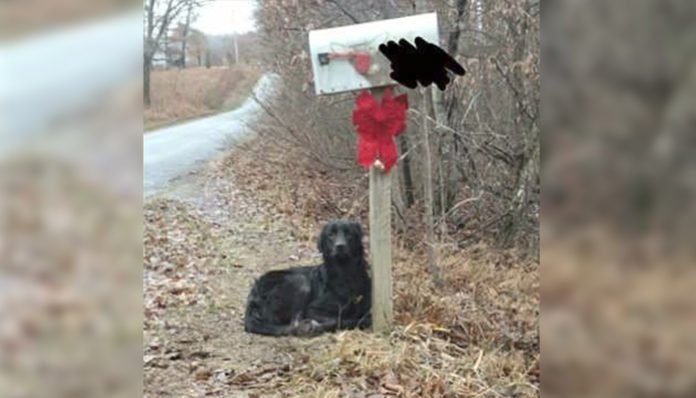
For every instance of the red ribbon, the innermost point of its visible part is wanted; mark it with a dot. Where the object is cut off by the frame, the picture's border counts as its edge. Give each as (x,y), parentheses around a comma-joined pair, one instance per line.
(377,125)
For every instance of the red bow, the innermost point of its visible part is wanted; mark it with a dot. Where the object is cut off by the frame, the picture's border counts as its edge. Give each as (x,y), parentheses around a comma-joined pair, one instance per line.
(377,125)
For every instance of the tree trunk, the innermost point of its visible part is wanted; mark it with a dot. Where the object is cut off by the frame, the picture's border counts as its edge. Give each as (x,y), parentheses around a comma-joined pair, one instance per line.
(440,114)
(148,51)
(146,81)
(405,167)
(453,38)
(184,35)
(236,50)
(442,182)
(428,193)
(152,39)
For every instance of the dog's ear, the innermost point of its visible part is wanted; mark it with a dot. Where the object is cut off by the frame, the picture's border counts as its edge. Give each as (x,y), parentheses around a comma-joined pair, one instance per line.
(356,229)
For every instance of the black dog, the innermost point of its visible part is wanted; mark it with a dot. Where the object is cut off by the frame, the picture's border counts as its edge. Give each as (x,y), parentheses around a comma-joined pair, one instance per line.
(306,301)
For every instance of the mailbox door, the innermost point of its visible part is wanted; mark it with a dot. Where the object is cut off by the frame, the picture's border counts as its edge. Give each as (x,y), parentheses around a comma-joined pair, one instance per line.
(347,58)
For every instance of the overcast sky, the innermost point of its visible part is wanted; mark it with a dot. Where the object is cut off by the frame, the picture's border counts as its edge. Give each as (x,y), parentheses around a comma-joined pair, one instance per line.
(221,17)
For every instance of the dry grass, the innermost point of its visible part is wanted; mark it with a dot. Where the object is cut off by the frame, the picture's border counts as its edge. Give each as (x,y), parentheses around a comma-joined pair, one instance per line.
(478,339)
(618,318)
(478,336)
(181,94)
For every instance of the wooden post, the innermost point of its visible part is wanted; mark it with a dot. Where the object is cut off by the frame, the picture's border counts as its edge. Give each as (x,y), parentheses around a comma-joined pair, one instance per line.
(380,244)
(380,248)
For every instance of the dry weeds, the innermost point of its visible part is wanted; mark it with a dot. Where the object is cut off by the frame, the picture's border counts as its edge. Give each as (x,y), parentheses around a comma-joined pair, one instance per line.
(181,94)
(618,318)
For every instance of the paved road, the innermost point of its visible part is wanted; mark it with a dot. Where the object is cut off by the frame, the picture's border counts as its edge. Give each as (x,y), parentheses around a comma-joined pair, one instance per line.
(174,151)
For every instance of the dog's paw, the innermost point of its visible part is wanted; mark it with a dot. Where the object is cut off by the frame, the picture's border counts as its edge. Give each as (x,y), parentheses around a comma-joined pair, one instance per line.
(306,327)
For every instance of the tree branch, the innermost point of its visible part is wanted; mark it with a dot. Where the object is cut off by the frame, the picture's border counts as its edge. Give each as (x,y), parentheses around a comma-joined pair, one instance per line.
(344,11)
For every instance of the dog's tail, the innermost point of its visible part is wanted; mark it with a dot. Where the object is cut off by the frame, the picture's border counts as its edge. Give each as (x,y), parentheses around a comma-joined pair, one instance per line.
(254,319)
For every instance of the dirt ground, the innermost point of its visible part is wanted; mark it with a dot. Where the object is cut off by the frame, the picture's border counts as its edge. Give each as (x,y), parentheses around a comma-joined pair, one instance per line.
(204,245)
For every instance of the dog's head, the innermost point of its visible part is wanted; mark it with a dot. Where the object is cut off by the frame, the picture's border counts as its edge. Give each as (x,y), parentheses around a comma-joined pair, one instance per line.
(341,241)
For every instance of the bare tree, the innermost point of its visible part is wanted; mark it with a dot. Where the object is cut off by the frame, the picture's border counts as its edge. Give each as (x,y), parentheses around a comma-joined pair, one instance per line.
(428,192)
(199,45)
(159,14)
(190,17)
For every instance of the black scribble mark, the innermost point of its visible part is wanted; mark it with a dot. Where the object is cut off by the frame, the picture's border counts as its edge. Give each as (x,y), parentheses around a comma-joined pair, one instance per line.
(425,63)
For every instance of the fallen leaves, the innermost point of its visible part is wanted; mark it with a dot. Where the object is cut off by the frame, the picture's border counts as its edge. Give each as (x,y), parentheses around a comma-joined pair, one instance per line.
(179,244)
(203,375)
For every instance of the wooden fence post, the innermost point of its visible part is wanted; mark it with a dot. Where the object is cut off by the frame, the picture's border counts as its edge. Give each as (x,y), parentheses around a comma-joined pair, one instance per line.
(380,248)
(380,243)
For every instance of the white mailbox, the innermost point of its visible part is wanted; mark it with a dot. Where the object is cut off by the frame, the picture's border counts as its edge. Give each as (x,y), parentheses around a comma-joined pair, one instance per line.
(347,58)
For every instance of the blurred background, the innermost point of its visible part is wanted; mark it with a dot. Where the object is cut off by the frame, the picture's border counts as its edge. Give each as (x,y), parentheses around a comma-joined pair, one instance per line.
(618,184)
(70,198)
